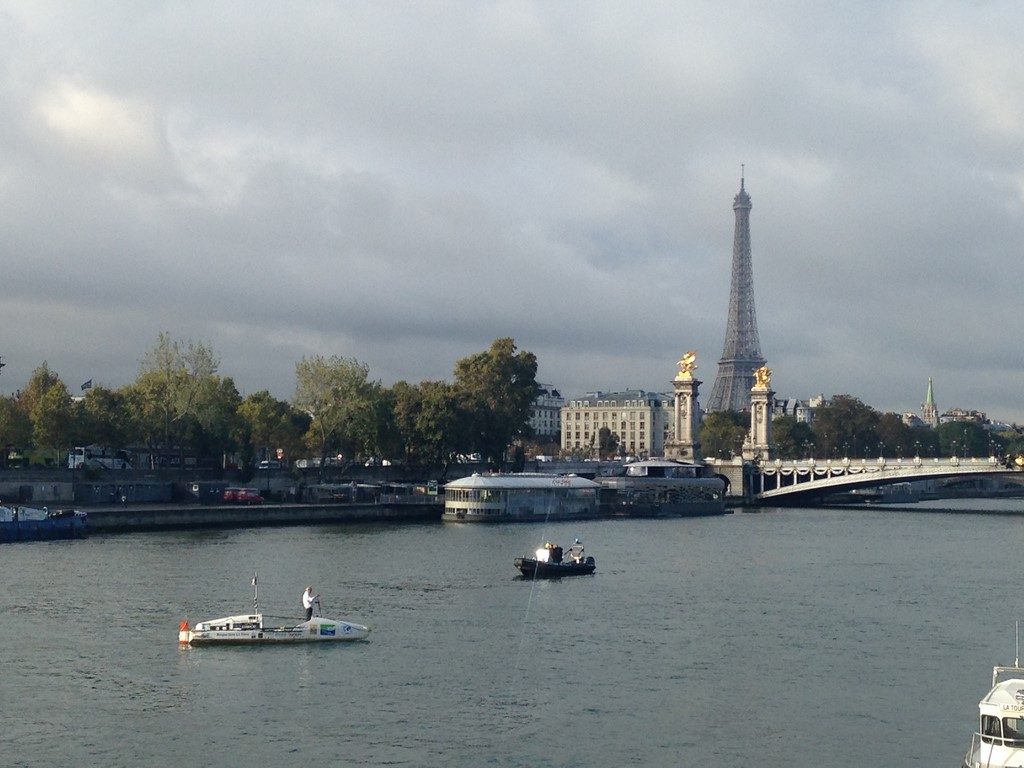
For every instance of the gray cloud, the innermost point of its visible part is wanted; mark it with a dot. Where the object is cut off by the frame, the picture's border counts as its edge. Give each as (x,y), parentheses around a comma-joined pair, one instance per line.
(403,183)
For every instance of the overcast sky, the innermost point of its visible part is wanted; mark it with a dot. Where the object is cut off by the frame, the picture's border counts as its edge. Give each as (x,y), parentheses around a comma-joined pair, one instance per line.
(402,183)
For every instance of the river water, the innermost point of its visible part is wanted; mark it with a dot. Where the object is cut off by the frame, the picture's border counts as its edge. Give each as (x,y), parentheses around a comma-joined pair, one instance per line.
(788,637)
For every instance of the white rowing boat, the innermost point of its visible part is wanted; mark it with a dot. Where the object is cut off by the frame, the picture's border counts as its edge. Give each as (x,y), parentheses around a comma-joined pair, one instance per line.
(249,629)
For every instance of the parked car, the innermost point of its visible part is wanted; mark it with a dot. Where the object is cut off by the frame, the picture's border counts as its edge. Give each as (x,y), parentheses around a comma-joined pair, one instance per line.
(269,464)
(243,495)
(248,496)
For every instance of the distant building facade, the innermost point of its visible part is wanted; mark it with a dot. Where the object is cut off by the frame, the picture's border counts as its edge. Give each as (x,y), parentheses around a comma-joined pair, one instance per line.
(546,416)
(641,421)
(961,415)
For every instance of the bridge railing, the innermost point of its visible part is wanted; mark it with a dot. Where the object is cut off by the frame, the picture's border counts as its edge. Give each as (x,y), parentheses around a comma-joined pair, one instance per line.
(773,476)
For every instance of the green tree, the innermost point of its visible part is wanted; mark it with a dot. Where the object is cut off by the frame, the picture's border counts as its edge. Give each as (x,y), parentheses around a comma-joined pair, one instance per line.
(406,406)
(498,388)
(266,424)
(334,392)
(15,428)
(924,441)
(607,443)
(441,427)
(789,435)
(894,435)
(963,438)
(214,423)
(845,421)
(722,434)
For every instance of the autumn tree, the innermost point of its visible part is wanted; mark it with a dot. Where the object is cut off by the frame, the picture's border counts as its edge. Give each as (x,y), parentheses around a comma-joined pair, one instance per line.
(15,427)
(105,418)
(171,378)
(38,385)
(51,419)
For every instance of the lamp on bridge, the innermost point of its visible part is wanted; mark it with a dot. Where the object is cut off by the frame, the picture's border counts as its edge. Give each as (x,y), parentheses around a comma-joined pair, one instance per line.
(917,449)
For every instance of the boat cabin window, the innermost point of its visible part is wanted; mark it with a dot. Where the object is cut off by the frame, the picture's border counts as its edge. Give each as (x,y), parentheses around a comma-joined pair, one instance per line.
(1013,731)
(990,729)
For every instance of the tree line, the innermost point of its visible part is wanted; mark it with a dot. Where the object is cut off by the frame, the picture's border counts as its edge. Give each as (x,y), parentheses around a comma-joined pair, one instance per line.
(180,403)
(847,428)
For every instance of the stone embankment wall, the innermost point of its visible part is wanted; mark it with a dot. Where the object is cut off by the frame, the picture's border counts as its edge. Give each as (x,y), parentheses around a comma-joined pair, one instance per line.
(170,516)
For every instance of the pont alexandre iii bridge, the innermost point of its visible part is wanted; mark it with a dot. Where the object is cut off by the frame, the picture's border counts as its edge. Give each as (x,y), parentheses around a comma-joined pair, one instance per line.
(760,477)
(793,481)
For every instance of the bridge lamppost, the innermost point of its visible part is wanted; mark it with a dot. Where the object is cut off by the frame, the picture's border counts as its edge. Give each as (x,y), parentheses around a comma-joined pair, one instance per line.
(953,452)
(807,449)
(881,450)
(917,449)
(846,450)
(965,442)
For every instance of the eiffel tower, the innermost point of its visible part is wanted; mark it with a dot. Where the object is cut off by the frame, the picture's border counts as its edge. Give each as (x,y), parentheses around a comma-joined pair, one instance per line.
(742,353)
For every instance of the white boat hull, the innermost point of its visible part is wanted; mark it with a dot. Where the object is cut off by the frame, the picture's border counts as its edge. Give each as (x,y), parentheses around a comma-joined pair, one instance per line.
(249,630)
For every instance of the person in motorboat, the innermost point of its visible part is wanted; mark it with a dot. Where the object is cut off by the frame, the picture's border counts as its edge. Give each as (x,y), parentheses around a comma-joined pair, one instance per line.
(308,600)
(575,552)
(556,553)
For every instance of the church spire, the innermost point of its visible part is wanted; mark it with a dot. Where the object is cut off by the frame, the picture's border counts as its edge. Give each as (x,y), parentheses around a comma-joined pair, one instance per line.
(929,411)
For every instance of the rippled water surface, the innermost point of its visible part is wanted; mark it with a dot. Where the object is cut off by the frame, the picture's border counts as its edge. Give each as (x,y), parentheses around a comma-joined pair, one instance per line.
(781,638)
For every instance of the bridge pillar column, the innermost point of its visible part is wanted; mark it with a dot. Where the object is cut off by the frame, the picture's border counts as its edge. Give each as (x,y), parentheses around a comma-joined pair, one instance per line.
(759,438)
(684,444)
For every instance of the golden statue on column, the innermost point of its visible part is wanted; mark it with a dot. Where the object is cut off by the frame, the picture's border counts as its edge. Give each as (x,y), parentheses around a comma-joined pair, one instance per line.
(687,365)
(763,377)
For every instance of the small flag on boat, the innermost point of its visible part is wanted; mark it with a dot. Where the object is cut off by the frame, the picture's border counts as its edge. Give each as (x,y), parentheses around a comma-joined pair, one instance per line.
(87,385)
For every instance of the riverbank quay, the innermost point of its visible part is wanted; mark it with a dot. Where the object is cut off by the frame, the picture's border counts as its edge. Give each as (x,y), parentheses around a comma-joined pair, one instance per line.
(168,517)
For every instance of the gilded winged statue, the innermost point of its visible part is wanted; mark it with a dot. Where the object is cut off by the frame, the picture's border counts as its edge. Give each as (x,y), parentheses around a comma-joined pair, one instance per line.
(763,377)
(687,365)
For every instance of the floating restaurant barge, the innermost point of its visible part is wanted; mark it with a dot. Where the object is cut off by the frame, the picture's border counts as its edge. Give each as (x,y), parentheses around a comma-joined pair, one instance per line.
(520,497)
(657,488)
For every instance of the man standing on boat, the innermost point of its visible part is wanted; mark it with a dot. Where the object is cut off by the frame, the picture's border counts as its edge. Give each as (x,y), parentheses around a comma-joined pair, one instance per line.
(575,552)
(308,598)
